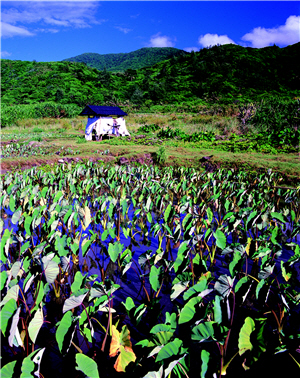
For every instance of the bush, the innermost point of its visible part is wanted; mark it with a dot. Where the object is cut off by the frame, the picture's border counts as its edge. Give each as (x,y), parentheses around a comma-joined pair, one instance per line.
(160,157)
(280,120)
(11,113)
(81,140)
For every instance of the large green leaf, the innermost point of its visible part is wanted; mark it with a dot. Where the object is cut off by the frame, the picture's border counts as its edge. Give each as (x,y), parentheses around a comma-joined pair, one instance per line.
(220,239)
(79,282)
(168,214)
(203,332)
(205,355)
(16,216)
(4,244)
(75,300)
(6,313)
(3,279)
(244,335)
(87,365)
(27,224)
(39,294)
(278,216)
(235,265)
(114,250)
(178,288)
(217,309)
(31,364)
(224,285)
(155,277)
(61,244)
(169,350)
(51,269)
(7,371)
(12,202)
(36,324)
(65,332)
(121,345)
(195,289)
(188,311)
(12,293)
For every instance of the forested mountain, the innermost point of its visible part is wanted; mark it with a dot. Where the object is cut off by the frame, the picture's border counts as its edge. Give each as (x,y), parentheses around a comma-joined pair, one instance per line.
(222,73)
(145,57)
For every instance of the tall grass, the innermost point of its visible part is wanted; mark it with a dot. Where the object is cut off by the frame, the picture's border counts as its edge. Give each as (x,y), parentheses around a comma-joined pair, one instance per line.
(10,114)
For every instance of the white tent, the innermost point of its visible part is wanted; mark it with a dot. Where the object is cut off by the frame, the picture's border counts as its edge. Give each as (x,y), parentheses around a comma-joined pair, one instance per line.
(106,126)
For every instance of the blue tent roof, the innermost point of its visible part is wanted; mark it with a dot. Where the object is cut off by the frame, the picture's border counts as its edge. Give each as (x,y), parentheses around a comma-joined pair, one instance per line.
(102,111)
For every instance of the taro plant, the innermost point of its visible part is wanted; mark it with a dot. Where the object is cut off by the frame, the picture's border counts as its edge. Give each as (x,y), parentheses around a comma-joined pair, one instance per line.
(147,271)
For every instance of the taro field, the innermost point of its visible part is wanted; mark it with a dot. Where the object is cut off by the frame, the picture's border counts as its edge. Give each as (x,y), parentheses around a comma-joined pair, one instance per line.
(148,272)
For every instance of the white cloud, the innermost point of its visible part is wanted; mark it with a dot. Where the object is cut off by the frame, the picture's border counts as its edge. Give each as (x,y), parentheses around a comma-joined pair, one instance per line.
(59,14)
(8,30)
(214,39)
(42,30)
(286,34)
(190,49)
(5,54)
(134,15)
(158,40)
(123,30)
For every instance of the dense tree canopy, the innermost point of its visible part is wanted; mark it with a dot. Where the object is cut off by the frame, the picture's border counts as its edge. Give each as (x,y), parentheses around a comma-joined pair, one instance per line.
(147,56)
(221,73)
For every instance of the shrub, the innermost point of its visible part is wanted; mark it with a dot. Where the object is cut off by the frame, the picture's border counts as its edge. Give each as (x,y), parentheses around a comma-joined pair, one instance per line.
(160,156)
(81,140)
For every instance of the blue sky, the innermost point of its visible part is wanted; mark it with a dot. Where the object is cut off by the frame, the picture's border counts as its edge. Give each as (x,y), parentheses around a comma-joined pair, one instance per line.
(56,30)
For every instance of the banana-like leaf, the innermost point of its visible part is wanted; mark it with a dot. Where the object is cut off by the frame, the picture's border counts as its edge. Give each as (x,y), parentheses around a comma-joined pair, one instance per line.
(87,365)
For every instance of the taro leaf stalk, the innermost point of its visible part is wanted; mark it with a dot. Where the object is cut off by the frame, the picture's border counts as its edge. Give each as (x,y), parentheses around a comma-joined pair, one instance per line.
(223,288)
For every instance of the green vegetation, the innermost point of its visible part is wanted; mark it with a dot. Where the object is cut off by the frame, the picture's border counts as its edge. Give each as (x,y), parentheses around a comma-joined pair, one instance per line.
(195,82)
(145,57)
(146,272)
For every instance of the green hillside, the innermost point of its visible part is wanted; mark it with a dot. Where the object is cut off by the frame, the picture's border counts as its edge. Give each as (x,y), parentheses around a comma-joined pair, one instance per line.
(144,57)
(220,74)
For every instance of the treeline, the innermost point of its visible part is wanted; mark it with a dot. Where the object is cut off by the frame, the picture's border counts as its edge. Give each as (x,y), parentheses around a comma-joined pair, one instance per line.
(221,74)
(147,56)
